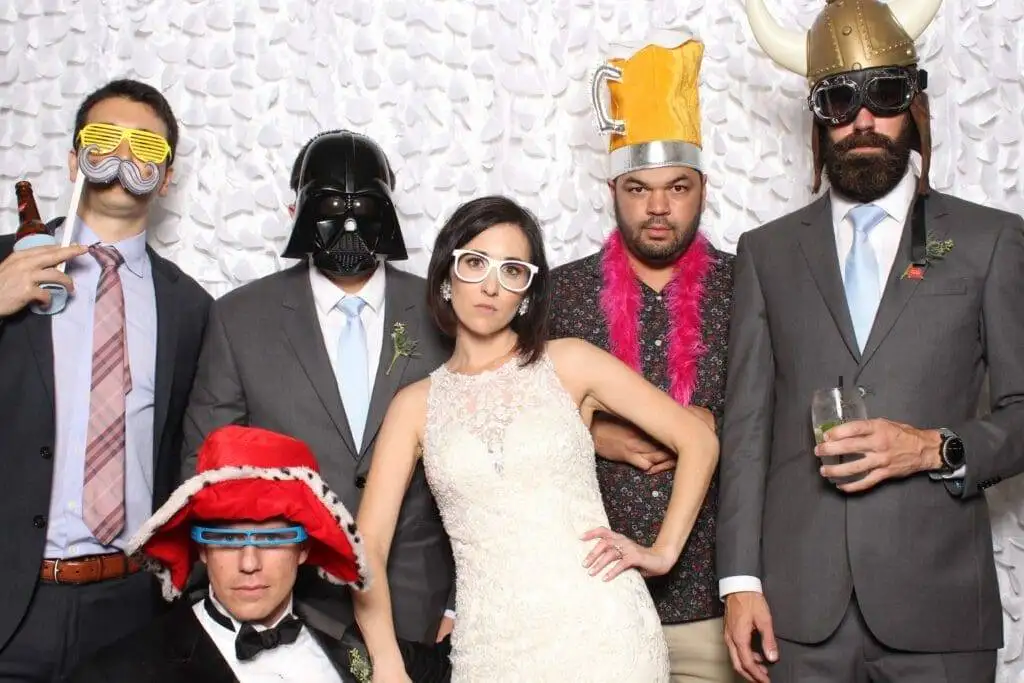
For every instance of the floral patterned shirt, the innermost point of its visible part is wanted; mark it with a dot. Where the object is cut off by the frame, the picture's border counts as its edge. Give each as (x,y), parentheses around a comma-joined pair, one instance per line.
(636,502)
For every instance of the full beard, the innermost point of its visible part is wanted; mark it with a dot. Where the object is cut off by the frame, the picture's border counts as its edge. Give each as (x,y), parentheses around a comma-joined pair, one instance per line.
(659,253)
(866,177)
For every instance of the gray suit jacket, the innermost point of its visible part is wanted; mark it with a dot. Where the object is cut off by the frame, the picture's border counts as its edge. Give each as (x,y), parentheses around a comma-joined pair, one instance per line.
(919,558)
(264,364)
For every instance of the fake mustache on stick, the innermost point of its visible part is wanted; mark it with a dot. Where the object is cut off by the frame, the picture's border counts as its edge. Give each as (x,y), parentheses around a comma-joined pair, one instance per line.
(126,171)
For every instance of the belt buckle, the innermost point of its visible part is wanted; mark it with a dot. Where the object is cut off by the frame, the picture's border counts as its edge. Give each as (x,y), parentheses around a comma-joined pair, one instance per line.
(56,571)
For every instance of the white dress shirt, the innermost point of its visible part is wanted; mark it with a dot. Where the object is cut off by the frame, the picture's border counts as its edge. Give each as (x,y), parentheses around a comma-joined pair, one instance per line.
(885,237)
(885,241)
(327,296)
(303,661)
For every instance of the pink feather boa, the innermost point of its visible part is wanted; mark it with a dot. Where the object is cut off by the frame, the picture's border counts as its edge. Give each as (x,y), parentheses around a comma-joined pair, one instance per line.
(621,300)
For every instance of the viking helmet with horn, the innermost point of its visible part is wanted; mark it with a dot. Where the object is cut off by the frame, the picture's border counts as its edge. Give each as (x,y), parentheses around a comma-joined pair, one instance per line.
(858,53)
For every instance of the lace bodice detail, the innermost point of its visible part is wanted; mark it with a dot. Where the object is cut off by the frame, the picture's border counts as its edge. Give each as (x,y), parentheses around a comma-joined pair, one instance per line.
(511,465)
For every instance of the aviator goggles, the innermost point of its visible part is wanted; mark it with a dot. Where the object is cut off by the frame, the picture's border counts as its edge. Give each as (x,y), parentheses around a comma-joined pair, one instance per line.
(239,538)
(144,145)
(885,91)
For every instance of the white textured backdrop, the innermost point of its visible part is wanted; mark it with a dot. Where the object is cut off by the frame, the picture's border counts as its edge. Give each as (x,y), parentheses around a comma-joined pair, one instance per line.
(470,97)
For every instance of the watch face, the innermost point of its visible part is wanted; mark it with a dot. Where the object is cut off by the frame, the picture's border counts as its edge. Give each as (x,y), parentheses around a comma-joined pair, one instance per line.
(953,452)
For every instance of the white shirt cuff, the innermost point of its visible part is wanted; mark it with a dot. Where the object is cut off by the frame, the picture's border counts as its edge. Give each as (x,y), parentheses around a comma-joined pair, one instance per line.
(450,614)
(958,473)
(739,584)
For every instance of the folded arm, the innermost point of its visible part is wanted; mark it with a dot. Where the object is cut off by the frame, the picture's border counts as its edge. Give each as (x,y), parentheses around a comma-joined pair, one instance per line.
(601,382)
(994,444)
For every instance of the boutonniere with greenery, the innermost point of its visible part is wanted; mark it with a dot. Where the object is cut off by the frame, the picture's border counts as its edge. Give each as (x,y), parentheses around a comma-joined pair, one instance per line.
(359,667)
(403,346)
(935,250)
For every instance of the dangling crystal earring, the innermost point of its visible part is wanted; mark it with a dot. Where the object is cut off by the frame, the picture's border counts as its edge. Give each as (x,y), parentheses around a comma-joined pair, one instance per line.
(446,290)
(524,306)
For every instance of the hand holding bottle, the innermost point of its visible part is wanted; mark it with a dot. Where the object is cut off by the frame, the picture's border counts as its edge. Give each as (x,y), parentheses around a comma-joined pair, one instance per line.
(22,273)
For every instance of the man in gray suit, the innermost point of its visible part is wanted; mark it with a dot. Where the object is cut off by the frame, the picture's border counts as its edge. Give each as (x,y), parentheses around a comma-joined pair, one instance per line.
(878,568)
(317,351)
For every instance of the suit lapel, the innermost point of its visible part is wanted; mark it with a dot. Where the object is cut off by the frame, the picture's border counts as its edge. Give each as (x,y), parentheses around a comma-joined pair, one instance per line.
(818,242)
(302,329)
(40,338)
(164,282)
(191,651)
(399,303)
(897,290)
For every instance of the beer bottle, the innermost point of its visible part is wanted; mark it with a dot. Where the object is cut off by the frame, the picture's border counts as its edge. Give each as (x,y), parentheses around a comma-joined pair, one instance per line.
(29,222)
(33,232)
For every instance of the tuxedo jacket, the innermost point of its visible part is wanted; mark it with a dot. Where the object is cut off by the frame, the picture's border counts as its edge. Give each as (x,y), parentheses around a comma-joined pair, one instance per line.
(264,364)
(918,555)
(175,648)
(28,429)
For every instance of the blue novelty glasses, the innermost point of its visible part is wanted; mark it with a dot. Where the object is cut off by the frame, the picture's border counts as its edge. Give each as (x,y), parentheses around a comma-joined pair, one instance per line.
(239,538)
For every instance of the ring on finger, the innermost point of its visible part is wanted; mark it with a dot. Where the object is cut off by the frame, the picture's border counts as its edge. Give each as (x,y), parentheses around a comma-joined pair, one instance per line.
(618,549)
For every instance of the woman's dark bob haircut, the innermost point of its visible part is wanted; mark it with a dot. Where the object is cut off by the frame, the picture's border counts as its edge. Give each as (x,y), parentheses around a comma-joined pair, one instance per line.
(468,221)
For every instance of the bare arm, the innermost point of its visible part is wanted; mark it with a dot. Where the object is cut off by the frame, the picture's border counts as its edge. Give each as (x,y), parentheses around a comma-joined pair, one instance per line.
(394,461)
(600,382)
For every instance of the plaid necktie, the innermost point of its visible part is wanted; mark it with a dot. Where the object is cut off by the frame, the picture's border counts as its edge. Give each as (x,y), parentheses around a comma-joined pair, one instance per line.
(103,495)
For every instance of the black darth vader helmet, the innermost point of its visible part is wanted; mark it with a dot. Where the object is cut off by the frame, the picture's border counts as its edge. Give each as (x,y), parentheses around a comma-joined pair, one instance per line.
(344,215)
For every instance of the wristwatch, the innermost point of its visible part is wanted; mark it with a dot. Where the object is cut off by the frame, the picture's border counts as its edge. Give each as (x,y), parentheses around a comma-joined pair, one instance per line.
(951,451)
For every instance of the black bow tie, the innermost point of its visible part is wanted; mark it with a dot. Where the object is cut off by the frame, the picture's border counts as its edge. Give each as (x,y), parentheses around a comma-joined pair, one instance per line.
(249,642)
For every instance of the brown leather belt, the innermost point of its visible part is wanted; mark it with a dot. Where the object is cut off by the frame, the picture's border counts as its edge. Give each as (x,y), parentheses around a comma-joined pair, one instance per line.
(80,570)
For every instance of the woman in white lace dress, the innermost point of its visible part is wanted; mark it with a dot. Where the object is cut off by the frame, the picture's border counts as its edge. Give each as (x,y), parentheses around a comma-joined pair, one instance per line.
(545,592)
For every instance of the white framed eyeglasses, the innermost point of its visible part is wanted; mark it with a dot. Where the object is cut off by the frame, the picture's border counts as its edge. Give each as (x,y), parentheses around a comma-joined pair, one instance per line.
(472,266)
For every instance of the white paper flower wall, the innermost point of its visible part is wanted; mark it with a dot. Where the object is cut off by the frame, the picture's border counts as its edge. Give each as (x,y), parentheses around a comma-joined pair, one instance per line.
(469,97)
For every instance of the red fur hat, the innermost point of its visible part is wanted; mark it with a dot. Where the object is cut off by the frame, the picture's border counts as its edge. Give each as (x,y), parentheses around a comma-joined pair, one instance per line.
(244,474)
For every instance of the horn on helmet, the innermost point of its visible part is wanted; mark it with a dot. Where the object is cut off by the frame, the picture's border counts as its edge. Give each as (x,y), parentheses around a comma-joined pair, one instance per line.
(786,47)
(914,15)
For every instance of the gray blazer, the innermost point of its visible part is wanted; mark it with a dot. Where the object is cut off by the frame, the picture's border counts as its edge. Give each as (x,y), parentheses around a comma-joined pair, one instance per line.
(264,364)
(919,557)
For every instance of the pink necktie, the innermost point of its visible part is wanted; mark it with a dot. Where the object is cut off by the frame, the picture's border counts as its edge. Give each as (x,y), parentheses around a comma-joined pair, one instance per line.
(103,495)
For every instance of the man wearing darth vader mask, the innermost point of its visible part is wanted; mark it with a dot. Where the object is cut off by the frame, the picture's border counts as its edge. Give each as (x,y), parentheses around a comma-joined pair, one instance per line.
(868,556)
(318,350)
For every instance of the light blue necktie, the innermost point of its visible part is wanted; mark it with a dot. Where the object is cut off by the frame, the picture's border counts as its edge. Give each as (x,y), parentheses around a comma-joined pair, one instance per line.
(350,367)
(862,283)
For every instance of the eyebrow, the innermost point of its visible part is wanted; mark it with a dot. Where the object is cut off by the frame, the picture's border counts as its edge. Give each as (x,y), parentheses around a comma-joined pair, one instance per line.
(499,258)
(674,181)
(121,125)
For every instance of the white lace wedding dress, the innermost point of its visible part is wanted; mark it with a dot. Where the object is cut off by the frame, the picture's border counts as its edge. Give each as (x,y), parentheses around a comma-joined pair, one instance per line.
(512,467)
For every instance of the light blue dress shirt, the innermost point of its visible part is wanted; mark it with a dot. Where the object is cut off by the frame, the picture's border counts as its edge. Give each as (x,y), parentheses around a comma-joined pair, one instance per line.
(67,535)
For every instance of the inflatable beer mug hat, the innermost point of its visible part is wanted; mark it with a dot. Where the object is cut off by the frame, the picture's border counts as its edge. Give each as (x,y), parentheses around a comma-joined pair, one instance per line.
(654,117)
(858,53)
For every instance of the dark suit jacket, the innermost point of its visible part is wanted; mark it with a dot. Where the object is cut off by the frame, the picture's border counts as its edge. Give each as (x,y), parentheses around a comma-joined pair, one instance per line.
(28,432)
(919,558)
(264,364)
(175,648)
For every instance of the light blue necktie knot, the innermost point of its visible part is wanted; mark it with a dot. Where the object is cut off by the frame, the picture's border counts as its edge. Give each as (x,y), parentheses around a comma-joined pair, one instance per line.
(861,269)
(865,217)
(351,367)
(351,306)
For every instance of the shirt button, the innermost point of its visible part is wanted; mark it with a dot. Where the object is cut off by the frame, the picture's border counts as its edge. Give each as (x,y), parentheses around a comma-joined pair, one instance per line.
(657,342)
(39,521)
(46,453)
(73,550)
(360,482)
(655,494)
(72,506)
